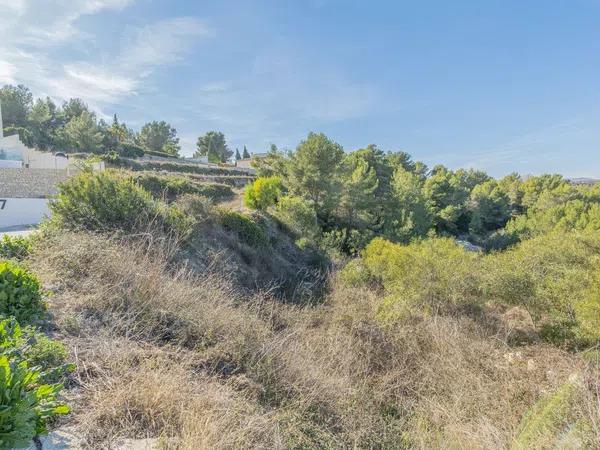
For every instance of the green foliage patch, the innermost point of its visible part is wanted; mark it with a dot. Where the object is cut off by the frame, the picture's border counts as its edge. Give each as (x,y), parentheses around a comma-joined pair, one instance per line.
(245,228)
(170,187)
(14,247)
(27,402)
(263,193)
(20,294)
(110,201)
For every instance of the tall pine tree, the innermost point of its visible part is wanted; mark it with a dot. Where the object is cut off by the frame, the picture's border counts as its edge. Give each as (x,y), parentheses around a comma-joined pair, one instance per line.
(246,154)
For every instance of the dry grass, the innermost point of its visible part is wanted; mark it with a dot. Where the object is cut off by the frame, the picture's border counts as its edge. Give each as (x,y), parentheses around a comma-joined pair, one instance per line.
(186,358)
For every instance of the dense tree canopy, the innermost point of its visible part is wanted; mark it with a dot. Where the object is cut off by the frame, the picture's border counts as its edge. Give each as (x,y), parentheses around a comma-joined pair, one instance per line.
(354,195)
(17,102)
(159,137)
(213,145)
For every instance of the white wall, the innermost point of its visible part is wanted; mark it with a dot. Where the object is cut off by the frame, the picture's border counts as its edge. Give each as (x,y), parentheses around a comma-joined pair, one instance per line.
(10,164)
(22,211)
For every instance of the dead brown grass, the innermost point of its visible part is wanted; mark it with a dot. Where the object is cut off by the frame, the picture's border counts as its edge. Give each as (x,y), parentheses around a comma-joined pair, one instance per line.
(186,358)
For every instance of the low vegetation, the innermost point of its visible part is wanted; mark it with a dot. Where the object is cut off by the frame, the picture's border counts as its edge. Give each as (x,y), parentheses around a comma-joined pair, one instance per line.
(243,334)
(31,365)
(359,300)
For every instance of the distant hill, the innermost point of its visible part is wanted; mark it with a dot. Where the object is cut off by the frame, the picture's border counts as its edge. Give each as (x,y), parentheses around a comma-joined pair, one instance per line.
(584,180)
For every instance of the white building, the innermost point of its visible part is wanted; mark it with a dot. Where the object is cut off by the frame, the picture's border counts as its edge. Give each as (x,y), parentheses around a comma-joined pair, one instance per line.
(14,154)
(28,179)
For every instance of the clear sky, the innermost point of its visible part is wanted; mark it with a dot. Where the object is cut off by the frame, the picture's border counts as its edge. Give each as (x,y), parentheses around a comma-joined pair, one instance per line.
(507,85)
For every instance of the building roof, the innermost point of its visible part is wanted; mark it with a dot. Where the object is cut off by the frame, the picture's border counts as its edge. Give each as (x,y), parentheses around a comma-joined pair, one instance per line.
(30,183)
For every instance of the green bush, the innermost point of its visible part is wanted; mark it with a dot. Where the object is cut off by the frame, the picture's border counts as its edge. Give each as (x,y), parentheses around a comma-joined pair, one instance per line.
(110,201)
(170,187)
(196,206)
(130,151)
(246,229)
(33,346)
(216,191)
(263,193)
(26,402)
(553,277)
(14,247)
(432,276)
(298,215)
(20,294)
(355,273)
(165,186)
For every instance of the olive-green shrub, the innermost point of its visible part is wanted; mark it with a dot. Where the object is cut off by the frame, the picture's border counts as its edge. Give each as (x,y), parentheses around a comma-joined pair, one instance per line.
(553,277)
(111,201)
(246,229)
(298,215)
(14,247)
(170,187)
(263,192)
(355,273)
(20,294)
(427,277)
(26,402)
(127,150)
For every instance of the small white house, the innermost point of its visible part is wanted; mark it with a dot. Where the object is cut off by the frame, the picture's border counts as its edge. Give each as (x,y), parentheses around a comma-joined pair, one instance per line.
(28,179)
(14,154)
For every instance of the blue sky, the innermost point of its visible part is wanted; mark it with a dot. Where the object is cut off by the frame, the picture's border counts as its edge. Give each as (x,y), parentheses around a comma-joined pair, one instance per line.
(498,85)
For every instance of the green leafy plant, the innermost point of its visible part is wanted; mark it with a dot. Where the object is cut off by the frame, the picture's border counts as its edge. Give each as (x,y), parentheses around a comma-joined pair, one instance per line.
(127,150)
(171,187)
(263,193)
(14,247)
(247,230)
(110,201)
(26,402)
(298,215)
(20,294)
(427,277)
(29,344)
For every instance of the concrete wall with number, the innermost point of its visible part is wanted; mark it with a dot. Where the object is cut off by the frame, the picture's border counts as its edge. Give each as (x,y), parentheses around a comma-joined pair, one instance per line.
(15,212)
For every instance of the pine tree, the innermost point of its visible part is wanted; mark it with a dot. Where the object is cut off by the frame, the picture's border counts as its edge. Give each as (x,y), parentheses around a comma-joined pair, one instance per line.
(237,154)
(314,171)
(246,154)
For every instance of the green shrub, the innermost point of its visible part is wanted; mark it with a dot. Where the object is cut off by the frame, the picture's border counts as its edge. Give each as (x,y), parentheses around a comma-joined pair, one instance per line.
(552,276)
(246,229)
(26,403)
(263,193)
(33,346)
(216,191)
(355,273)
(333,242)
(109,201)
(196,206)
(14,247)
(298,215)
(587,313)
(432,276)
(165,186)
(20,294)
(130,151)
(170,187)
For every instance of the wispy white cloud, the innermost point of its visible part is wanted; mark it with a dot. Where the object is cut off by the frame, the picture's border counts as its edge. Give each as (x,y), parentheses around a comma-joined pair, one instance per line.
(282,96)
(34,30)
(161,43)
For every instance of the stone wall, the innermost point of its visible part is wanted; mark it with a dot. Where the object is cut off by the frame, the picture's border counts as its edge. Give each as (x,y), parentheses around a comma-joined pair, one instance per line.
(31,183)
